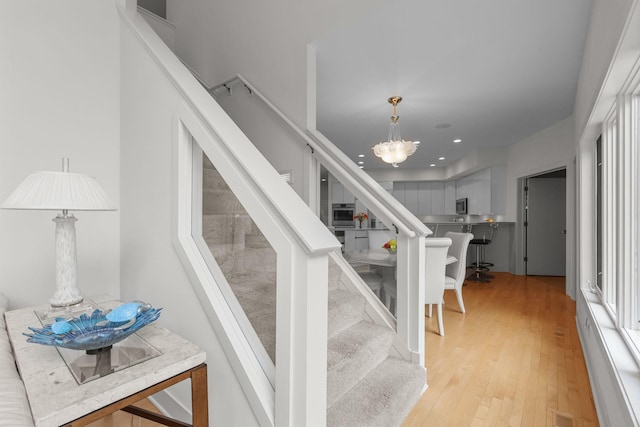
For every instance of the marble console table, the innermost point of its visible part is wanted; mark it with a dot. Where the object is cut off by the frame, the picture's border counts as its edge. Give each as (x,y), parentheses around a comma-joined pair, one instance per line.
(57,399)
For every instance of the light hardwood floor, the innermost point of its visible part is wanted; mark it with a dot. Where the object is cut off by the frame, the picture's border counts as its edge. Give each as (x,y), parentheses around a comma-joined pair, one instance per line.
(123,419)
(514,359)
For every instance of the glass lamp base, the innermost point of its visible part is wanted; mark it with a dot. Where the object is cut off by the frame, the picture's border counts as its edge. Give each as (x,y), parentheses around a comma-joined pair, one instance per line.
(49,315)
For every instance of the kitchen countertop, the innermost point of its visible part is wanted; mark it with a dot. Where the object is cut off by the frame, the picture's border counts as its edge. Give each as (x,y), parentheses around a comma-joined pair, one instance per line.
(426,223)
(467,222)
(356,228)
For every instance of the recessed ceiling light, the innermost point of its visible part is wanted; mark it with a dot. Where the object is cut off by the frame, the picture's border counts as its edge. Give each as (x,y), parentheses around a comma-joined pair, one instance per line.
(361,163)
(324,179)
(432,164)
(440,158)
(361,167)
(416,142)
(457,141)
(360,155)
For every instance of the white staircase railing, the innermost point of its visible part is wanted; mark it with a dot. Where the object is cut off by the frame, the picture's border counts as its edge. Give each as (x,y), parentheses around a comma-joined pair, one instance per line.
(302,246)
(409,229)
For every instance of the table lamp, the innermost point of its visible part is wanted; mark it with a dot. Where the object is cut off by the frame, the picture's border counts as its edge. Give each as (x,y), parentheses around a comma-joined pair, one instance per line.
(61,191)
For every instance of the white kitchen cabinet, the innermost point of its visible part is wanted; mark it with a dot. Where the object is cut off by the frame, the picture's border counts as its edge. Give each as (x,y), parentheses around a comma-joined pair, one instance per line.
(411,197)
(464,190)
(485,192)
(476,188)
(421,198)
(450,198)
(437,198)
(398,192)
(481,191)
(387,185)
(356,240)
(424,198)
(339,194)
(499,189)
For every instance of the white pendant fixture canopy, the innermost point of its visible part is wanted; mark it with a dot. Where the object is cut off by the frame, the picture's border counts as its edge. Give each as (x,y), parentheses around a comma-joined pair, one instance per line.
(395,150)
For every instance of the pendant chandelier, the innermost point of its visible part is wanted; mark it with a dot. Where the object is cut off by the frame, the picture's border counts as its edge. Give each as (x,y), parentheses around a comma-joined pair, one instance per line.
(395,150)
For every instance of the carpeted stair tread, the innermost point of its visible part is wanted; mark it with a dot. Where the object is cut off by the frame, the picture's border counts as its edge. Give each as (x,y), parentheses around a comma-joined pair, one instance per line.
(212,180)
(345,310)
(352,354)
(382,399)
(215,201)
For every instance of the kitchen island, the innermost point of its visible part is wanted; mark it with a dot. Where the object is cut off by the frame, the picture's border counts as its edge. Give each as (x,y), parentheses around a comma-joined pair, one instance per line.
(500,252)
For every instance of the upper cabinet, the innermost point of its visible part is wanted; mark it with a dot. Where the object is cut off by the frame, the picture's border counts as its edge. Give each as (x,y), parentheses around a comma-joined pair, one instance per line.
(499,189)
(485,190)
(339,194)
(450,198)
(476,188)
(421,198)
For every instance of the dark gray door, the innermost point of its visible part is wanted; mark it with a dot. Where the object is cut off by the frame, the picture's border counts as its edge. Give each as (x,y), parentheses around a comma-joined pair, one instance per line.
(546,225)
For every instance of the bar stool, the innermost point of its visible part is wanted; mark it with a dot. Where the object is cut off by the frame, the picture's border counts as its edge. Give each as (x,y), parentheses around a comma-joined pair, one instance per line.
(481,267)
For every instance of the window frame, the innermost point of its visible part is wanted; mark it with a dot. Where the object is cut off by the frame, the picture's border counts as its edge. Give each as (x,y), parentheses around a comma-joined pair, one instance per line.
(619,240)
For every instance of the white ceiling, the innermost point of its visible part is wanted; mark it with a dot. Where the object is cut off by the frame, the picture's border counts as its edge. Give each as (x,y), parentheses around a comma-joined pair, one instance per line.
(497,71)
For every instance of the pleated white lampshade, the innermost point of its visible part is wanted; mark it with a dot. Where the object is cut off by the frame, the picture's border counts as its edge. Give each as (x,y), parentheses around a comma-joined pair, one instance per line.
(59,191)
(62,191)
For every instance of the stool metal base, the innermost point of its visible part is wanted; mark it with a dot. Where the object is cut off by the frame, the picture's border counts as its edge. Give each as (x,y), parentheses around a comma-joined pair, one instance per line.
(480,267)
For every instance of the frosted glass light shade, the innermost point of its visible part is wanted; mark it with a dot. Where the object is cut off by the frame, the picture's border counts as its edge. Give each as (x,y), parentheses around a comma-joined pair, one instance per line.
(394,152)
(59,191)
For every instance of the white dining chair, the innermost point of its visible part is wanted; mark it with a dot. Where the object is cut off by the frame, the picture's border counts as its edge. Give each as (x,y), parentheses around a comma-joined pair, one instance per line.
(436,249)
(456,272)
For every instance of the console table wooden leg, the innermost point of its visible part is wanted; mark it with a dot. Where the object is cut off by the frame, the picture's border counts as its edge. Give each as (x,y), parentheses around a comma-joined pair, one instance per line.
(199,396)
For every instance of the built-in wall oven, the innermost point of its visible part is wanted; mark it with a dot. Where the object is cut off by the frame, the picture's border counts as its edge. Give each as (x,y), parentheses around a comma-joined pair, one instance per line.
(343,215)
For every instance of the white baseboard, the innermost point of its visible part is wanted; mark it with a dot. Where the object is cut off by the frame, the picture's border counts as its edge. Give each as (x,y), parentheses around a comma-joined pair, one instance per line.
(613,373)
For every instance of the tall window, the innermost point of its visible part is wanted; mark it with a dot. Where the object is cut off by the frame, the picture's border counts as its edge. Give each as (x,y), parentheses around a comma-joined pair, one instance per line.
(609,211)
(617,166)
(599,236)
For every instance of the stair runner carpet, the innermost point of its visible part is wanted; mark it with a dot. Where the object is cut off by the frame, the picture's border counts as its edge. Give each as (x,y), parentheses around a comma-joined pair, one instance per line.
(365,385)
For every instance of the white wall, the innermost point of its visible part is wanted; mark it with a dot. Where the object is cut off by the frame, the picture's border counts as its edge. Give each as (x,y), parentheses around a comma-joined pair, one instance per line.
(548,149)
(267,43)
(276,141)
(607,61)
(606,26)
(59,97)
(151,269)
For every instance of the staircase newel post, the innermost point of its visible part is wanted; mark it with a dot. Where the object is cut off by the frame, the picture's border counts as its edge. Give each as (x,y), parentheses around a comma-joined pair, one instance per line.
(301,339)
(410,292)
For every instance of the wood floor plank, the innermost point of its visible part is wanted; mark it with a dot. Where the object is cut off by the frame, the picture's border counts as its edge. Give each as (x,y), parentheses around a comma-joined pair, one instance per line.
(122,419)
(514,359)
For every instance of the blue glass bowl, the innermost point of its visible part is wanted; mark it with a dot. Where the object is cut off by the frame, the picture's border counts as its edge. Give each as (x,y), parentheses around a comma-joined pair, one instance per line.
(92,332)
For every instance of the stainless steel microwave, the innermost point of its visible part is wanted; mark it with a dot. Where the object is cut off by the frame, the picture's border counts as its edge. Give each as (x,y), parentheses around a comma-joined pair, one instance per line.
(461,206)
(343,215)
